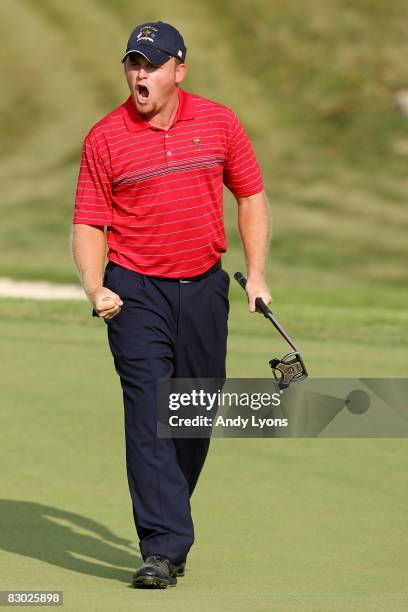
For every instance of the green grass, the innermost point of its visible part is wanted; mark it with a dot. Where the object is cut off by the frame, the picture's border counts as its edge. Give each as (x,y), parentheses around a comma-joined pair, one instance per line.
(299,525)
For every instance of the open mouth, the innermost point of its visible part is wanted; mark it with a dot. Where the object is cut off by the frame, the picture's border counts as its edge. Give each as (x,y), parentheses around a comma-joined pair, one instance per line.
(142,93)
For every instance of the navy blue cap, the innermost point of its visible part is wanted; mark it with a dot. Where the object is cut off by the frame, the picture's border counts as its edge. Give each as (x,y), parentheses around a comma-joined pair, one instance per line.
(157,42)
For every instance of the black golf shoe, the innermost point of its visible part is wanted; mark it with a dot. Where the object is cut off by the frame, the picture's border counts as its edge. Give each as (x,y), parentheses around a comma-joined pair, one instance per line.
(157,572)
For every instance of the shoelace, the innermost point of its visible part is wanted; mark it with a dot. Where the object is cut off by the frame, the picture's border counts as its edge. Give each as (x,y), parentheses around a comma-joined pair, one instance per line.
(158,560)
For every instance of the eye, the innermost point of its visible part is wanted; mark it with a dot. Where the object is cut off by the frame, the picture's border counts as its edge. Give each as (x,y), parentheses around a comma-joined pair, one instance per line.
(134,61)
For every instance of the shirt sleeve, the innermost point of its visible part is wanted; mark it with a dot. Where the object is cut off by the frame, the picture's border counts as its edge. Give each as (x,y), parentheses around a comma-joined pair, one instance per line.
(242,174)
(93,199)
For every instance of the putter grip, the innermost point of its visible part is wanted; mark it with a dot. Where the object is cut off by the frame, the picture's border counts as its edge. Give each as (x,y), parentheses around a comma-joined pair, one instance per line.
(259,303)
(240,278)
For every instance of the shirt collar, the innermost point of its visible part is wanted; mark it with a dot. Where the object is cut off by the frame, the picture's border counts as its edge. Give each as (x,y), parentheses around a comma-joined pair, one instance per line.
(135,122)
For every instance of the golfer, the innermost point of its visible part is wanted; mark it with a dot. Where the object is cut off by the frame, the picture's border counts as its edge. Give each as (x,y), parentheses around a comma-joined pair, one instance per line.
(152,173)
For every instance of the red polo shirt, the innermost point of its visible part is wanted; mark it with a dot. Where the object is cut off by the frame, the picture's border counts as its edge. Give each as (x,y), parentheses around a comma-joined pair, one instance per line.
(160,192)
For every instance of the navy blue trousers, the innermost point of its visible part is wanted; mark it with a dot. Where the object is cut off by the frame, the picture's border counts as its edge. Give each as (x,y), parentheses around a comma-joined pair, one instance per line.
(165,329)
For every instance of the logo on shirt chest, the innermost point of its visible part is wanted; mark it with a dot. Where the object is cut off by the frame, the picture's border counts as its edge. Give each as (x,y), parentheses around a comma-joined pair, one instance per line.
(196,141)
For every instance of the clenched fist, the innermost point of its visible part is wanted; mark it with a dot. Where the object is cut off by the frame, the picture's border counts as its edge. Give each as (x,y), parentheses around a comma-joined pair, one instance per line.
(106,303)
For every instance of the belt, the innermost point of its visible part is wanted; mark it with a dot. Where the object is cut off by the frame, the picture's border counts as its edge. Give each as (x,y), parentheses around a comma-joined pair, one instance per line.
(192,279)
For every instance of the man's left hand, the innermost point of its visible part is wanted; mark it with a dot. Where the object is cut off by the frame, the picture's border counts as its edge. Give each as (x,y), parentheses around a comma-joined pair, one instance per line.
(257,287)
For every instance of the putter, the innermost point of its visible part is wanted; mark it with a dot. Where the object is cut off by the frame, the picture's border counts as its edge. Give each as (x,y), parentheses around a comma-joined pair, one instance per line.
(291,367)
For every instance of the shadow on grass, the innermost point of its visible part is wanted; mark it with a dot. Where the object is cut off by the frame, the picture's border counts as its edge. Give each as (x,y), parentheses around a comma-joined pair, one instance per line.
(61,538)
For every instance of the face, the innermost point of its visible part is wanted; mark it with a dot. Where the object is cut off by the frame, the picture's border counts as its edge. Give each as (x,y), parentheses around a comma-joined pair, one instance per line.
(152,87)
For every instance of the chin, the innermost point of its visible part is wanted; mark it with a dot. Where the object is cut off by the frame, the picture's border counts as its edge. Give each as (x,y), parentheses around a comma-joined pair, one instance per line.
(144,109)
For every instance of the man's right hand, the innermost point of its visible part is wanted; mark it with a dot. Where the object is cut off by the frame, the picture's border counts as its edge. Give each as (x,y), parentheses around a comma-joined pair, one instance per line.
(106,303)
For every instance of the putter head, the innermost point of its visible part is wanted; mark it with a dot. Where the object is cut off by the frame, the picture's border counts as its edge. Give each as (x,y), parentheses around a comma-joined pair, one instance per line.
(288,369)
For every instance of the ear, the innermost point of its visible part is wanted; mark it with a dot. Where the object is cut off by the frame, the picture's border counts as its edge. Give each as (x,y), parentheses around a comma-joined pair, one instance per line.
(181,71)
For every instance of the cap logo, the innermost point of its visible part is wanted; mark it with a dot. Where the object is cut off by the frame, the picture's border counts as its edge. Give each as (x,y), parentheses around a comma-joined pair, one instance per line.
(147,33)
(180,53)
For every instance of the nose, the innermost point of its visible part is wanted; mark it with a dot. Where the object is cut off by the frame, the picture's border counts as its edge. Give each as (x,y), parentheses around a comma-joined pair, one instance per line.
(142,72)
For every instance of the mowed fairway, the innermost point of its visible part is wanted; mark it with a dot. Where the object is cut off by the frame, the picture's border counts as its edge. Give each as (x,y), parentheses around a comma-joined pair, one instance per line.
(280,524)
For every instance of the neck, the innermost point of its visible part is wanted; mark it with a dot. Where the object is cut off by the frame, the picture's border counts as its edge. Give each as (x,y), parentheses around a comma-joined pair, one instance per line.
(164,118)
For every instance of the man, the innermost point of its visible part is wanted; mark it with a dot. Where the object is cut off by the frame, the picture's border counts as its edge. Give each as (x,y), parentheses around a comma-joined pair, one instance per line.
(152,173)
